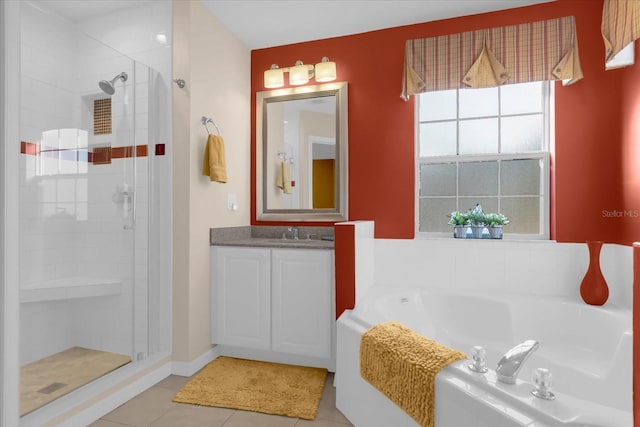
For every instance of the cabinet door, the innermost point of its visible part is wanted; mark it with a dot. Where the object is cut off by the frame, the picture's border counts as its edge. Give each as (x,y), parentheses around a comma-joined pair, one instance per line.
(241,297)
(302,298)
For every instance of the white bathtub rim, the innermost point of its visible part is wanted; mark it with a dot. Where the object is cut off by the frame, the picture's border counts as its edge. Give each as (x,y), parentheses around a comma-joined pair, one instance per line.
(488,292)
(606,358)
(566,410)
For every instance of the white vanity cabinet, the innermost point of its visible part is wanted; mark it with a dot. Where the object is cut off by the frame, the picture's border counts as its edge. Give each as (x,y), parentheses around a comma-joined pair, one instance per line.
(301,301)
(274,304)
(241,297)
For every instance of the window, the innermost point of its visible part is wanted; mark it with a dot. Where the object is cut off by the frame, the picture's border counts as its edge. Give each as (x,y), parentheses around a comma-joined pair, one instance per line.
(487,146)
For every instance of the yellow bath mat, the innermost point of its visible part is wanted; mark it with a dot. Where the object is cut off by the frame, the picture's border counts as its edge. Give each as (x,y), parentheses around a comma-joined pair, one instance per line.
(403,364)
(270,388)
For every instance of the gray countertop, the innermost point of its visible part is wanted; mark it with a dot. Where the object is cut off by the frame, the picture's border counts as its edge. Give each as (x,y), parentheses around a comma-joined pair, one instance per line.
(277,243)
(271,237)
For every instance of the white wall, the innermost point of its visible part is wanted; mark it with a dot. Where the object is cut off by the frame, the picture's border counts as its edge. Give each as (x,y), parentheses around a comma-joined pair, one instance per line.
(216,67)
(531,268)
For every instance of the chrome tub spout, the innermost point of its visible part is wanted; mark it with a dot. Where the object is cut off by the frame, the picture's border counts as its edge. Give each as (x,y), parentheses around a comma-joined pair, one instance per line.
(512,361)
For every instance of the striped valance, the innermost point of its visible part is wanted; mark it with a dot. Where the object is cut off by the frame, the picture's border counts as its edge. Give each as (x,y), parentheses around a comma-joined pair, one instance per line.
(543,50)
(620,25)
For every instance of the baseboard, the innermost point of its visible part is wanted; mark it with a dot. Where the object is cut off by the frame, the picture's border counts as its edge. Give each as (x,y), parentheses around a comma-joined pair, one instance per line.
(275,357)
(187,369)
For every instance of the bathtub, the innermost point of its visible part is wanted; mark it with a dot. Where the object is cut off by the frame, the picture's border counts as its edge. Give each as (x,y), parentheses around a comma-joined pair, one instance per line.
(587,349)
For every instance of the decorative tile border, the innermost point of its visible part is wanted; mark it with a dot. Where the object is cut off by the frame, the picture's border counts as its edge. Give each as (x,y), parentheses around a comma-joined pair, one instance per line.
(101,155)
(95,157)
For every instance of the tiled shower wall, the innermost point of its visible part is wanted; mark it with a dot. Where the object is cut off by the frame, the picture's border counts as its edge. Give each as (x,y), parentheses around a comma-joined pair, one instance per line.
(74,219)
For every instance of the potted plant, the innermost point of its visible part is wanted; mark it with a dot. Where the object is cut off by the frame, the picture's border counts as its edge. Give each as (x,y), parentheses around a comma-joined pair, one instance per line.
(494,223)
(459,221)
(477,220)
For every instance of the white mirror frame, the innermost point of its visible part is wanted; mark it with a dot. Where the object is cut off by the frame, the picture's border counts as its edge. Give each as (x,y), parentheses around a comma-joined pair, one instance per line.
(263,213)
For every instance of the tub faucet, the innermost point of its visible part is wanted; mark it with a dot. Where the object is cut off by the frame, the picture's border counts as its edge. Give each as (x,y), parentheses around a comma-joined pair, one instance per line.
(294,230)
(510,364)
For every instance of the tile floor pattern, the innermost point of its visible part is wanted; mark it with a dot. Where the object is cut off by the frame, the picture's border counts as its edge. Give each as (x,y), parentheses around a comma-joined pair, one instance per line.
(154,408)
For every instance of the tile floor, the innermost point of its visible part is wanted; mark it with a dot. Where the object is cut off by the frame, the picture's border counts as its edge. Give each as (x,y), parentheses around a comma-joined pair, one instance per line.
(154,408)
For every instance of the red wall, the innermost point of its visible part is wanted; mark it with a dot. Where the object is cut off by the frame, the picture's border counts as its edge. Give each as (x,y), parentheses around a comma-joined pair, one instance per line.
(595,130)
(595,162)
(630,155)
(345,265)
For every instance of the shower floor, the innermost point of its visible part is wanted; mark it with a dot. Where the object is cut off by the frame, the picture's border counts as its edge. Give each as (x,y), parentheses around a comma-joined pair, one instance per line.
(54,376)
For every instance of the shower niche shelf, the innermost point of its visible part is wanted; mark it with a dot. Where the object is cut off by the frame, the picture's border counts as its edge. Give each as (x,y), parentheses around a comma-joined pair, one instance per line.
(69,288)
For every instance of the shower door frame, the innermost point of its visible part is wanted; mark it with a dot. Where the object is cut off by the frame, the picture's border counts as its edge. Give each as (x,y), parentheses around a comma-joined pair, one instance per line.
(9,303)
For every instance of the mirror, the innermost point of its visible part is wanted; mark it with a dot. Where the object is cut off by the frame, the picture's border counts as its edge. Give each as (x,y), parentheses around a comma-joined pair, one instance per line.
(301,153)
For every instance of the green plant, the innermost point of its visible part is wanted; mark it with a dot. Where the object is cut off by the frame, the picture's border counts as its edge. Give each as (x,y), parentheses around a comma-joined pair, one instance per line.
(476,216)
(495,220)
(458,218)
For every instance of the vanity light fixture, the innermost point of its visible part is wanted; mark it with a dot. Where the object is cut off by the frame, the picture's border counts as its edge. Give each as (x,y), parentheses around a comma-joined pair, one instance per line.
(299,74)
(274,77)
(325,70)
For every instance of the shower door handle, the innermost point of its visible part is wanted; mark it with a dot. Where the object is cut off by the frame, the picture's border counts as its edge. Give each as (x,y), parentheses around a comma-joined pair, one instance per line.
(125,197)
(132,224)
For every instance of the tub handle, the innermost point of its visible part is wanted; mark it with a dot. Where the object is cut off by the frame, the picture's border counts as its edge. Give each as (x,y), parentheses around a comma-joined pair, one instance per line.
(479,359)
(543,380)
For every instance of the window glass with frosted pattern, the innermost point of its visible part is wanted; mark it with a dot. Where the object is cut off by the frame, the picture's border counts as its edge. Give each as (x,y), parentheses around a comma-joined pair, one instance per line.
(487,146)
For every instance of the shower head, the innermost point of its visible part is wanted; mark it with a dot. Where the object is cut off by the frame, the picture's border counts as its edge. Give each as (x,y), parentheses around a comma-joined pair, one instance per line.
(107,86)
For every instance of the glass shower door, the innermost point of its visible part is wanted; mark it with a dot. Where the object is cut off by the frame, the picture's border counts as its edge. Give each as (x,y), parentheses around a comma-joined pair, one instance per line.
(83,260)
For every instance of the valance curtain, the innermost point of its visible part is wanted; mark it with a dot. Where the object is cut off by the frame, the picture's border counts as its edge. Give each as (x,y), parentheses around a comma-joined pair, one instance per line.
(620,25)
(543,50)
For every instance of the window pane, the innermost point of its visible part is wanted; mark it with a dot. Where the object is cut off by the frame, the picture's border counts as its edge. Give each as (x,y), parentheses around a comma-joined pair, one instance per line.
(523,214)
(439,105)
(478,179)
(437,139)
(521,133)
(479,136)
(434,214)
(478,102)
(521,177)
(521,98)
(489,204)
(438,180)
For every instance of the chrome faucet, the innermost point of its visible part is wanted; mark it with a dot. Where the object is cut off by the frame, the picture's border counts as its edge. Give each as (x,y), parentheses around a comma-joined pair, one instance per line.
(512,361)
(294,230)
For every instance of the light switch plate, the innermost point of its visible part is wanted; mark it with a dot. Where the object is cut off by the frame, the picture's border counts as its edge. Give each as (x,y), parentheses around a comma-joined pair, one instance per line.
(232,202)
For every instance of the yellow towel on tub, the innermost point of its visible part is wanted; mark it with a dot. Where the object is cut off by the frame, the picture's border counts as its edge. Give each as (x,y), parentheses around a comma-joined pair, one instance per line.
(214,164)
(403,364)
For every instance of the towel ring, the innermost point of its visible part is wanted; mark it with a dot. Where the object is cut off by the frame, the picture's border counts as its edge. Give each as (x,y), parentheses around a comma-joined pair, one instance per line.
(207,120)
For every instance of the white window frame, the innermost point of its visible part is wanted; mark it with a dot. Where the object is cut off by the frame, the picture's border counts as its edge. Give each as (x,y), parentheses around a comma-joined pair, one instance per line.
(544,155)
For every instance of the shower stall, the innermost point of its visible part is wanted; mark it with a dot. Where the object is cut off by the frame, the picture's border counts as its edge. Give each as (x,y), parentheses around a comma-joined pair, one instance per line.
(89,296)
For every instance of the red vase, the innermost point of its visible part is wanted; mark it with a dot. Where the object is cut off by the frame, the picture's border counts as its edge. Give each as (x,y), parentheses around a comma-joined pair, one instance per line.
(593,288)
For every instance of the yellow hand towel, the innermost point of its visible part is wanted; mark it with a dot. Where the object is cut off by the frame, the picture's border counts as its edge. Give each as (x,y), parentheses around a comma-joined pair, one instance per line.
(214,164)
(279,176)
(286,178)
(283,178)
